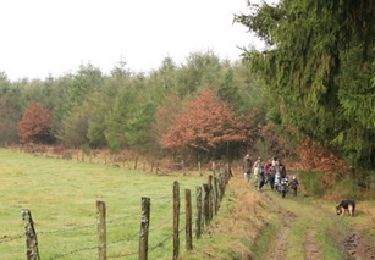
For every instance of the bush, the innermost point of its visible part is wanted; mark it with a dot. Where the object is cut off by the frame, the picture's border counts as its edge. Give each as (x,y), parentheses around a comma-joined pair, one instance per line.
(345,188)
(312,183)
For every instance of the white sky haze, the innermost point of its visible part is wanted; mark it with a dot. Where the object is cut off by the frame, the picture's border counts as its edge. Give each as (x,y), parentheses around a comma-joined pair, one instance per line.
(56,36)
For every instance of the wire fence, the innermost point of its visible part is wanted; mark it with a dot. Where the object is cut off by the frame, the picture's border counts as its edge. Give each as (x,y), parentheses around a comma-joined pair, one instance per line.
(74,251)
(205,214)
(6,239)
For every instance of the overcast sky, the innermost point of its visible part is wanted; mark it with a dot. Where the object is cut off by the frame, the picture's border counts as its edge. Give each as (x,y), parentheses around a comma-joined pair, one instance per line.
(56,36)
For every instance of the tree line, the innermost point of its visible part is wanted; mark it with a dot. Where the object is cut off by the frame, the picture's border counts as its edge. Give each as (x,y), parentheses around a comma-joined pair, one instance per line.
(200,106)
(316,78)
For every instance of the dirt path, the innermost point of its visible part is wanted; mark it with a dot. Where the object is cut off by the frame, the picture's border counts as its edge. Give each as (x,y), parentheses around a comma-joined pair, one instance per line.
(280,247)
(357,247)
(312,249)
(308,228)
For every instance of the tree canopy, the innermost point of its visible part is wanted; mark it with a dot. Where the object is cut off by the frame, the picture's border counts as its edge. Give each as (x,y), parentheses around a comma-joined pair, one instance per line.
(319,67)
(124,109)
(205,123)
(35,125)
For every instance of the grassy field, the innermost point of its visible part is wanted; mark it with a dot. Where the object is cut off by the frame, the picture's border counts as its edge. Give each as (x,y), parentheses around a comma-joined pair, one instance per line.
(62,194)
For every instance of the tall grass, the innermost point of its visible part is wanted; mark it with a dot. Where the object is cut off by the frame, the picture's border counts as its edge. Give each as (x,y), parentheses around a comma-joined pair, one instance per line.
(346,187)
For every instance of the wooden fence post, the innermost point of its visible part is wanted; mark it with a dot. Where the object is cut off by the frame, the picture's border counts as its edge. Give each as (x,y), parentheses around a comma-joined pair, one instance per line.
(32,252)
(100,215)
(183,168)
(199,219)
(222,186)
(217,194)
(199,169)
(206,207)
(211,197)
(157,168)
(189,220)
(136,163)
(144,229)
(176,220)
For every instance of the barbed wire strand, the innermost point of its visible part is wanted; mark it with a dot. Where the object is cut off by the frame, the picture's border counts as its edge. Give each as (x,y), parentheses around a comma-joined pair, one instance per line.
(122,255)
(63,230)
(66,229)
(128,217)
(162,242)
(74,251)
(110,244)
(6,239)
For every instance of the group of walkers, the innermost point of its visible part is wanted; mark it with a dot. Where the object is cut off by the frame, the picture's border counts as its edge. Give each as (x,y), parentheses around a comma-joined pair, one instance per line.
(271,172)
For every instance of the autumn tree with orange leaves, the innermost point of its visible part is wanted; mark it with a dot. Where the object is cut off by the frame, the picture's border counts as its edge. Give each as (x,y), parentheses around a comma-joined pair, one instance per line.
(35,125)
(205,123)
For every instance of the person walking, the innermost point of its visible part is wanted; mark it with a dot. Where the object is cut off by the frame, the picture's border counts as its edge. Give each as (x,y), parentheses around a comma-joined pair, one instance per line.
(247,167)
(278,169)
(256,171)
(294,185)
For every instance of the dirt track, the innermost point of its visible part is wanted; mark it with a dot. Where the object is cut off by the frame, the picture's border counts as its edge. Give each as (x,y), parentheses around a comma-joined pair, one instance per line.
(358,247)
(312,249)
(303,232)
(280,249)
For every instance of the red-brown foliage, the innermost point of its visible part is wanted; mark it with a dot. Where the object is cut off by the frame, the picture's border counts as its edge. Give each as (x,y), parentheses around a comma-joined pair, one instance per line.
(206,122)
(35,124)
(314,157)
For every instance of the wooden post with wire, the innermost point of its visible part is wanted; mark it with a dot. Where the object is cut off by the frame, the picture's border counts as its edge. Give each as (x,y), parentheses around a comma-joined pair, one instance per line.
(217,194)
(144,230)
(176,220)
(189,220)
(200,218)
(183,168)
(32,252)
(211,197)
(206,207)
(101,215)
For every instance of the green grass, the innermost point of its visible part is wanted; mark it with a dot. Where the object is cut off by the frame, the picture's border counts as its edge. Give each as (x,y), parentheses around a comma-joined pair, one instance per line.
(266,238)
(214,244)
(309,217)
(62,194)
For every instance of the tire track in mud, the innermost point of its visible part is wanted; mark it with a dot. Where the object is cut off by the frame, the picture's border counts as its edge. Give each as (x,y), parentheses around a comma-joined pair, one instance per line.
(280,248)
(357,247)
(312,250)
(281,245)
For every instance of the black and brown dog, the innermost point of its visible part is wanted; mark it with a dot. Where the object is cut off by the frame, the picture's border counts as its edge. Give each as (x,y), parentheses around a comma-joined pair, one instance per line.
(346,206)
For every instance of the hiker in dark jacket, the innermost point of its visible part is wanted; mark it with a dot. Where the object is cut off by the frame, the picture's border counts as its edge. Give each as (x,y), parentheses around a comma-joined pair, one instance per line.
(283,170)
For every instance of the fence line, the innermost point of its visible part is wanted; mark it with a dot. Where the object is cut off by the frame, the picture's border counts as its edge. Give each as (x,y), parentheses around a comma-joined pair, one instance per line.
(121,160)
(6,239)
(64,230)
(204,212)
(121,240)
(74,251)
